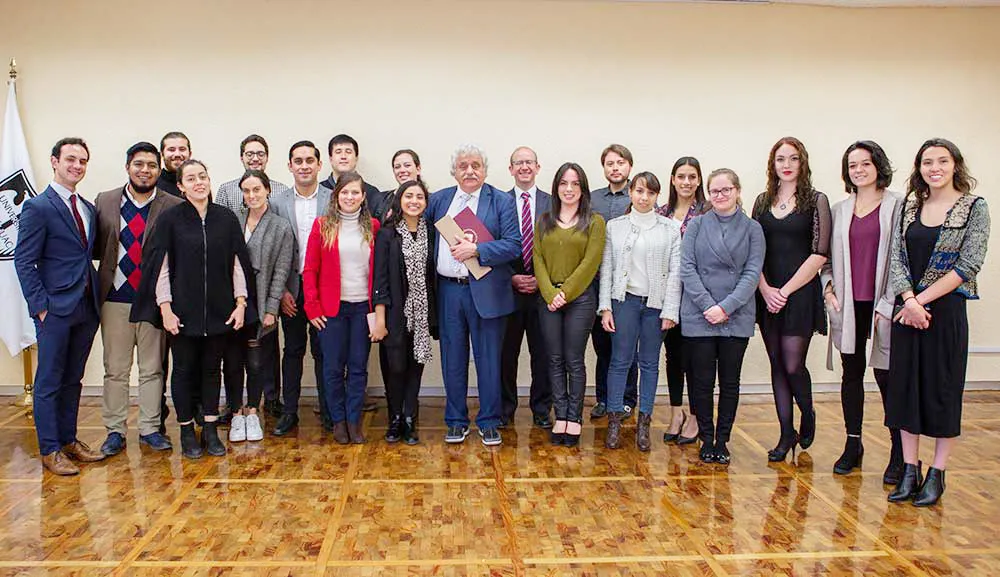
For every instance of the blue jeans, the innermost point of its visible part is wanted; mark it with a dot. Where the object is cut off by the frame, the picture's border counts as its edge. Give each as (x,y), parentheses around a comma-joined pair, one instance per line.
(635,324)
(459,320)
(345,345)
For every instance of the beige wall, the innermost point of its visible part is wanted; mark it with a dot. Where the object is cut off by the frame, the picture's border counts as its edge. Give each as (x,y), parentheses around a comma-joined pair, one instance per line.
(566,77)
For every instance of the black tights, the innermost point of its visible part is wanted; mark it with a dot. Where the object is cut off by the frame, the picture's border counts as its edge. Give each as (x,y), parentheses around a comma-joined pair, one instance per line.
(790,378)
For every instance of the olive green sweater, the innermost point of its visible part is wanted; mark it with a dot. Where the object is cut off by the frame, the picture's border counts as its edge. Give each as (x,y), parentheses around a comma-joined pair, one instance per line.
(567,260)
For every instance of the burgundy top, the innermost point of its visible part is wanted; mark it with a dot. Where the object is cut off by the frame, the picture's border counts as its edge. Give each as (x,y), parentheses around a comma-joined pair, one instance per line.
(864,236)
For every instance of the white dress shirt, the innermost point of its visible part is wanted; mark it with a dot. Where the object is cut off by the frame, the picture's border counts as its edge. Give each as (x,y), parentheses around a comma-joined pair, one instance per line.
(65,194)
(305,215)
(446,264)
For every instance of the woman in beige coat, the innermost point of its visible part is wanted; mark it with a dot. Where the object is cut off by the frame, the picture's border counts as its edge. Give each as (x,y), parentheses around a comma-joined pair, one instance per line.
(854,281)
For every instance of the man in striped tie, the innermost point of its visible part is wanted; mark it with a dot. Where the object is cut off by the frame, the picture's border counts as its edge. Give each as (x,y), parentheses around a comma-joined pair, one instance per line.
(531,202)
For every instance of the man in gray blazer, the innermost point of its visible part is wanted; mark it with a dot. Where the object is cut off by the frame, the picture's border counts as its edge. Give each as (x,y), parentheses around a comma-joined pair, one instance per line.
(530,203)
(301,205)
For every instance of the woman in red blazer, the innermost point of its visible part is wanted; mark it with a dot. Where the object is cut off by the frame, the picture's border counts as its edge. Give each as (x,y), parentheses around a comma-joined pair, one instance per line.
(337,281)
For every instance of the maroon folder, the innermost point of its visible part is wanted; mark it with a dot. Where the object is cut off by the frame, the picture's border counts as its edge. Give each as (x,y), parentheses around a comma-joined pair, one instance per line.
(472,227)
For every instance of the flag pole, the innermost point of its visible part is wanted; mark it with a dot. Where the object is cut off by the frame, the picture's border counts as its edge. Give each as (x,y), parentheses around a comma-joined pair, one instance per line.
(26,356)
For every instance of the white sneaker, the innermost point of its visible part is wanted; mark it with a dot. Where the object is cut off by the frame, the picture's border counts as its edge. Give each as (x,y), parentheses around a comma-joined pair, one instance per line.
(238,429)
(255,431)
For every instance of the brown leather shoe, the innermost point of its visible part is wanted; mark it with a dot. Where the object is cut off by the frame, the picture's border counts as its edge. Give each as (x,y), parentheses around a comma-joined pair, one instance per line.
(58,464)
(642,433)
(340,433)
(357,436)
(614,437)
(79,451)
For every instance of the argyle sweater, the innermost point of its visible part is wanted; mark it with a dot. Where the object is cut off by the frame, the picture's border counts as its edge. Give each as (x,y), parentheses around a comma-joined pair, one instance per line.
(132,227)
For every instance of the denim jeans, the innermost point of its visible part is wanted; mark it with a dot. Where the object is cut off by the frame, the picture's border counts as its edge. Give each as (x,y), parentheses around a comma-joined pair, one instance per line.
(635,324)
(346,345)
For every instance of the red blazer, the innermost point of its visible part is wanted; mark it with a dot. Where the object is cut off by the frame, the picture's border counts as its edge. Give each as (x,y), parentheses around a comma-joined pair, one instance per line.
(321,274)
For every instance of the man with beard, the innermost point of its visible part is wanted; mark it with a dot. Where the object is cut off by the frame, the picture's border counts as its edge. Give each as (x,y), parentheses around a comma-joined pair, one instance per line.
(175,148)
(611,202)
(254,154)
(126,218)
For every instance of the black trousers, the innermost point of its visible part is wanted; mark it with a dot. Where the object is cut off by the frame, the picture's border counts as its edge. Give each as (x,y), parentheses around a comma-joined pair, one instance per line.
(602,348)
(524,320)
(272,386)
(197,366)
(261,361)
(297,329)
(565,332)
(852,385)
(710,356)
(677,367)
(234,360)
(402,378)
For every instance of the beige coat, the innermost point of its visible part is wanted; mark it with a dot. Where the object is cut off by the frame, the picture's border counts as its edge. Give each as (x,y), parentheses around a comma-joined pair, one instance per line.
(837,271)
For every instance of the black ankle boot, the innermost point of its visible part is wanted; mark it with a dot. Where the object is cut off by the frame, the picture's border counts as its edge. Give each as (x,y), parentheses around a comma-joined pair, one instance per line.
(210,439)
(851,458)
(908,484)
(189,442)
(395,430)
(894,470)
(931,490)
(807,429)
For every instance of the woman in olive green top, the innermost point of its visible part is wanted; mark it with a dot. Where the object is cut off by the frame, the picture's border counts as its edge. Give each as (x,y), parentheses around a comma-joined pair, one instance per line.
(569,245)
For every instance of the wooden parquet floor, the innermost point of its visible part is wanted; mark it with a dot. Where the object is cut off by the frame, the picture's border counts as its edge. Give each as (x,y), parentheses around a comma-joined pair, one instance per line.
(302,505)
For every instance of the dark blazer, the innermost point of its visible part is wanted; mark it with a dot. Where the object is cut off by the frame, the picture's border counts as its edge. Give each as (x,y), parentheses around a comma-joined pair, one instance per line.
(543,201)
(53,265)
(201,270)
(109,228)
(493,294)
(391,286)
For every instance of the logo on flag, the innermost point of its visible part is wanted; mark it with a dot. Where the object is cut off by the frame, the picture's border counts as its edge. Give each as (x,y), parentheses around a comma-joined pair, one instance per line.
(14,190)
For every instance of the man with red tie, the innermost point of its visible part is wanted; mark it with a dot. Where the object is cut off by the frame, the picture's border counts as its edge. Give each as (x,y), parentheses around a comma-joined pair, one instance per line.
(530,202)
(59,282)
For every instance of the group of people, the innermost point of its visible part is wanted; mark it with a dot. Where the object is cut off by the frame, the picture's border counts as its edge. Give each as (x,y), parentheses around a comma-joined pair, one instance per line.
(343,265)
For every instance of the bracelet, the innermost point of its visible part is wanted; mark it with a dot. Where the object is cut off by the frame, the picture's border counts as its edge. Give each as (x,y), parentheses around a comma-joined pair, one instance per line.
(910,297)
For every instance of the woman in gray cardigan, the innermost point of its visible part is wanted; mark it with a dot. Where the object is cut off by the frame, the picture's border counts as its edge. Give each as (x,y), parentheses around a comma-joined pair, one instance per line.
(721,259)
(271,245)
(854,281)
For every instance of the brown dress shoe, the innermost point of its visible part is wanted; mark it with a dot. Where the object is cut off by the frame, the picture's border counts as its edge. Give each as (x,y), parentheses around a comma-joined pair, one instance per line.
(340,433)
(59,464)
(357,436)
(79,451)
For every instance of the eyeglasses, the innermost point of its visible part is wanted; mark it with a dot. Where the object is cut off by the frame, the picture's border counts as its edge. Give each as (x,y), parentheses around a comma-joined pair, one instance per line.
(721,191)
(252,154)
(523,163)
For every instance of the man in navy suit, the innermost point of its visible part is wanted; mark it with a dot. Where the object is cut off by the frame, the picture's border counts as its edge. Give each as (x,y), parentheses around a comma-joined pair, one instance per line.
(530,202)
(59,282)
(470,307)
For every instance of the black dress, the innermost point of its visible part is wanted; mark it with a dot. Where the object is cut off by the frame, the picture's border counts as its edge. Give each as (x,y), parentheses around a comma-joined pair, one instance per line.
(790,241)
(927,367)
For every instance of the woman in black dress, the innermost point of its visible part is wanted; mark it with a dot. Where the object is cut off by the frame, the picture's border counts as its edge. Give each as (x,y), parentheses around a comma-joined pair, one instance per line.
(937,251)
(796,222)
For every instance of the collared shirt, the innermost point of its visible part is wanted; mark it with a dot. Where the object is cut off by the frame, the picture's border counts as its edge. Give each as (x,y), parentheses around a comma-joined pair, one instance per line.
(128,191)
(230,196)
(609,204)
(65,194)
(305,215)
(519,201)
(446,264)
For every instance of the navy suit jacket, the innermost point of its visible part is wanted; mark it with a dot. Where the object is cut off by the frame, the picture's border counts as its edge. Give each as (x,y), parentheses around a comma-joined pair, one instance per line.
(543,201)
(52,264)
(493,294)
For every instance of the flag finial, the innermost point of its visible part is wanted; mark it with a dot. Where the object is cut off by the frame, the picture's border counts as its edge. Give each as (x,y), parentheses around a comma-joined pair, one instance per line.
(13,69)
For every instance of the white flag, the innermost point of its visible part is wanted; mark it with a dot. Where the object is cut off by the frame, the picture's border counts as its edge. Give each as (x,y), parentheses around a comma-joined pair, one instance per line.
(17,184)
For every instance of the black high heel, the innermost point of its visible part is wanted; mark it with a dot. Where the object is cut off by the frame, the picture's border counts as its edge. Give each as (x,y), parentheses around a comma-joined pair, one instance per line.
(669,437)
(778,454)
(808,430)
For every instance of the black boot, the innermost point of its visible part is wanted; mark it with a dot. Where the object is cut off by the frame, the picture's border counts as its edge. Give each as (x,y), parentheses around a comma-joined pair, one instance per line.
(931,490)
(410,431)
(210,439)
(395,430)
(894,470)
(908,484)
(189,442)
(851,458)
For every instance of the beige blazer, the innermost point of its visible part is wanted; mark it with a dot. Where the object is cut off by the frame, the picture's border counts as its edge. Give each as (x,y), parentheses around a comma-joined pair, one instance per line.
(837,271)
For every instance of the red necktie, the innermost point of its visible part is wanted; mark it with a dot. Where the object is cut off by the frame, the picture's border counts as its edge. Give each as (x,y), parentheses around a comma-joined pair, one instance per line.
(527,232)
(79,220)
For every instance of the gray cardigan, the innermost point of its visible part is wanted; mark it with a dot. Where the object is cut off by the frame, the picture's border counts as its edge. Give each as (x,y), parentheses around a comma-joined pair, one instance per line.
(721,270)
(662,264)
(272,249)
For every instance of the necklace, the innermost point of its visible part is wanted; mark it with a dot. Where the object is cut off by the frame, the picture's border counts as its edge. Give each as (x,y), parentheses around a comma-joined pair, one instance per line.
(784,203)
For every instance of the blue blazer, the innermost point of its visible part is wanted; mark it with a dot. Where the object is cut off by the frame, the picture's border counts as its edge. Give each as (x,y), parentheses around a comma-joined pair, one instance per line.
(52,264)
(493,294)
